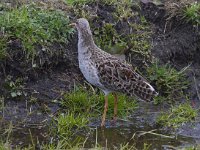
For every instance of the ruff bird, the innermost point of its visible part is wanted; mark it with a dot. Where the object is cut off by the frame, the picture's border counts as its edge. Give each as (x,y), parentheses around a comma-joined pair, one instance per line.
(107,72)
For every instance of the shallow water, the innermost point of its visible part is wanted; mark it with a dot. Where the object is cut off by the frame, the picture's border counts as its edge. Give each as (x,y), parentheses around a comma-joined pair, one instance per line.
(133,131)
(112,137)
(29,129)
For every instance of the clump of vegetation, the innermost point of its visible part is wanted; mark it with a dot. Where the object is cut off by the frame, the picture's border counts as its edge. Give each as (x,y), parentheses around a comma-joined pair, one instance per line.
(169,82)
(177,116)
(81,106)
(183,11)
(79,8)
(82,101)
(191,13)
(139,41)
(14,87)
(70,124)
(108,39)
(28,27)
(122,7)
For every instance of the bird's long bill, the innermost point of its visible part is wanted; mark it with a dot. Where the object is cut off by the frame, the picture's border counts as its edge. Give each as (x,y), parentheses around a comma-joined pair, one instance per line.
(72,25)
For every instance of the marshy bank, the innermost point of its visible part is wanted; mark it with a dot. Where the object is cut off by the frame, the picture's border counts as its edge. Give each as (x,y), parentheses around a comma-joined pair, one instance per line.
(45,101)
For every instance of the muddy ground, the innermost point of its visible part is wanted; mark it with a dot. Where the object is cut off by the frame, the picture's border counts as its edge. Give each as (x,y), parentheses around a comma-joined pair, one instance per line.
(174,42)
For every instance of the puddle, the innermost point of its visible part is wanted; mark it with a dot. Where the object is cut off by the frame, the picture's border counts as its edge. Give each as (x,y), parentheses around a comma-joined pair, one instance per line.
(133,131)
(24,136)
(113,135)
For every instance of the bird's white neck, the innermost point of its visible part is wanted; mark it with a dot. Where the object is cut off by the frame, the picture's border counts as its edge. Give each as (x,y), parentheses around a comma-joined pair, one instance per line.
(85,41)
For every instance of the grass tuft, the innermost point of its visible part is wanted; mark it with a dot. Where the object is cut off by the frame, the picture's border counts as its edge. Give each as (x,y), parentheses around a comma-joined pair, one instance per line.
(70,124)
(177,116)
(82,101)
(191,13)
(184,11)
(169,82)
(108,39)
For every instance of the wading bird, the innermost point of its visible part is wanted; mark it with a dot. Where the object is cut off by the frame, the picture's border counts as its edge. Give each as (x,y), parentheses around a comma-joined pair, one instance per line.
(107,72)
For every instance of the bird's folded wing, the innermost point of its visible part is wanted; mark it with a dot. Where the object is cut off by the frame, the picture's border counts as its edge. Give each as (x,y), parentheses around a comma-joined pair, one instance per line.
(119,76)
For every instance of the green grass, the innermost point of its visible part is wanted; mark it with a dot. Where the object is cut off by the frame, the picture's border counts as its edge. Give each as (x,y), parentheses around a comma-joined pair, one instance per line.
(184,11)
(32,27)
(82,101)
(68,128)
(140,40)
(122,8)
(79,107)
(191,13)
(177,116)
(169,82)
(70,124)
(108,39)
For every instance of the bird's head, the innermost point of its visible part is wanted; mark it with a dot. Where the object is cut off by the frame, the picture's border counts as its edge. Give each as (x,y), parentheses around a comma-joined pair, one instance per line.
(84,32)
(81,24)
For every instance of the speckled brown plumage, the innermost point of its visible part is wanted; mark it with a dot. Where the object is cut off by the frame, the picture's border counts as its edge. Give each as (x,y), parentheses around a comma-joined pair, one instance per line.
(106,71)
(119,76)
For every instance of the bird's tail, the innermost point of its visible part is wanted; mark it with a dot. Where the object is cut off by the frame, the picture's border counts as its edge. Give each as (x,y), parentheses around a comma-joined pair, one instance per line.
(144,91)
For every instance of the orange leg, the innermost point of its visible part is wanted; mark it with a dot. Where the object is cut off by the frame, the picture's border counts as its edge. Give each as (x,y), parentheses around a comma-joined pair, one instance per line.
(104,113)
(115,107)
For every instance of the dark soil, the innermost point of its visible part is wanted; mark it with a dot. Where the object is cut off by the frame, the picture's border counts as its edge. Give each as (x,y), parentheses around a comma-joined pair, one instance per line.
(175,42)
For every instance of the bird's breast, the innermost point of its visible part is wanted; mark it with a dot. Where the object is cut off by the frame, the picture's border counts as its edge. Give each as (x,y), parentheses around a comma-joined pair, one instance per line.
(90,72)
